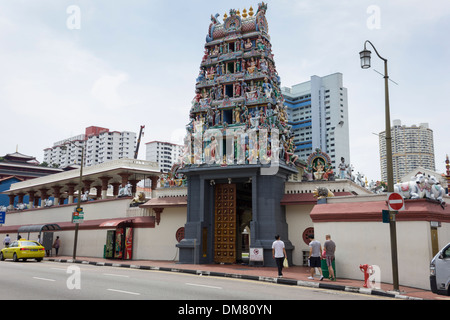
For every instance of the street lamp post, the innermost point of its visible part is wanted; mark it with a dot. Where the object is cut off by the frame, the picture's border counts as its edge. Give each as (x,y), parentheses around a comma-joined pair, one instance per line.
(80,187)
(75,240)
(365,64)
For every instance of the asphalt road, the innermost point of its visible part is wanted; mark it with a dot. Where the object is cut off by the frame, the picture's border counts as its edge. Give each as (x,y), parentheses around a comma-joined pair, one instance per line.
(50,281)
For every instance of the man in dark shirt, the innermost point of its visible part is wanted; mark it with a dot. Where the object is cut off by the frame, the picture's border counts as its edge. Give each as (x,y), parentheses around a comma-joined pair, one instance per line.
(330,248)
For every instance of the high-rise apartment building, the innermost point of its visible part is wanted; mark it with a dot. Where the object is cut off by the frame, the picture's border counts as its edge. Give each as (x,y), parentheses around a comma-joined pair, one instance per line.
(412,147)
(318,113)
(166,154)
(101,145)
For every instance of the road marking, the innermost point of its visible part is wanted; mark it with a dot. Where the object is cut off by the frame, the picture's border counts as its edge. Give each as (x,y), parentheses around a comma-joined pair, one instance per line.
(127,292)
(116,275)
(202,285)
(62,269)
(37,278)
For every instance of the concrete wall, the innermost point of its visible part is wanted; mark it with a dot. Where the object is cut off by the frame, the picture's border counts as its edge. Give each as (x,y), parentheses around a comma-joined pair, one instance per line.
(149,243)
(159,243)
(298,219)
(369,243)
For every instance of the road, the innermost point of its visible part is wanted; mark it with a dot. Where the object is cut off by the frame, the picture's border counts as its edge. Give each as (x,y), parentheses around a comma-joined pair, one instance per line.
(49,281)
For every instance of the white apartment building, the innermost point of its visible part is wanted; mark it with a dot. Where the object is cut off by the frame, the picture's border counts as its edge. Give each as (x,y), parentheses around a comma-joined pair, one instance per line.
(166,154)
(318,113)
(101,145)
(412,147)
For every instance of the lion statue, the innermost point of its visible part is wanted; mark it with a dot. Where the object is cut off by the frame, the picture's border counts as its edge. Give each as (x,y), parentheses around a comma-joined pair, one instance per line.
(322,192)
(138,199)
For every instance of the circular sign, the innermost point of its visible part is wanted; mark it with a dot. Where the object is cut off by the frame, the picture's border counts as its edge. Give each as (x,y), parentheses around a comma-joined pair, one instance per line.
(179,235)
(306,234)
(395,201)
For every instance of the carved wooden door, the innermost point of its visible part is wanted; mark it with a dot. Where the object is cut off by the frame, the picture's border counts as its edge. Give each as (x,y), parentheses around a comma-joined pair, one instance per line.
(225,223)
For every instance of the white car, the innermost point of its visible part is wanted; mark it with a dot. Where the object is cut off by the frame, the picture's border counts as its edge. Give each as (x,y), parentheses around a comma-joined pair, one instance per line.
(440,272)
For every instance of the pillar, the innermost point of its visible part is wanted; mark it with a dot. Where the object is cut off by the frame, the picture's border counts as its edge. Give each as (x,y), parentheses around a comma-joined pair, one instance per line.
(70,192)
(11,200)
(20,195)
(56,194)
(125,177)
(104,186)
(98,194)
(116,186)
(44,196)
(31,195)
(133,186)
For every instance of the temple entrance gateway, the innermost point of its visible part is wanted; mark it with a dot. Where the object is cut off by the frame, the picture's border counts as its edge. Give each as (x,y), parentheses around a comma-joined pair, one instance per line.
(236,180)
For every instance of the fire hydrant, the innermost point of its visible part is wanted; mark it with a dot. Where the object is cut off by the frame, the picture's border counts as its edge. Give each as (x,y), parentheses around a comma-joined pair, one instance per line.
(368,271)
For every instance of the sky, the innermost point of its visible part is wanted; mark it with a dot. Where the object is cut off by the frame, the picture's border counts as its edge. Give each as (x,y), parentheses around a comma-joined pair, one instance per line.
(67,65)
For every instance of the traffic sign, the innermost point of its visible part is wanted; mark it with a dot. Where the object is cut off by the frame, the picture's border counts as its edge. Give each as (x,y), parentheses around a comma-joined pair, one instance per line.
(396,201)
(2,217)
(78,215)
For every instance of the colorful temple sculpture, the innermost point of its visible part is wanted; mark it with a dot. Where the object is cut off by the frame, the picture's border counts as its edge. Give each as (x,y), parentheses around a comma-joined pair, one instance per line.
(239,150)
(238,109)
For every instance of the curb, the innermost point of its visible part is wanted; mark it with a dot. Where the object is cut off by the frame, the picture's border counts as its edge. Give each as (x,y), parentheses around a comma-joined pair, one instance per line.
(289,282)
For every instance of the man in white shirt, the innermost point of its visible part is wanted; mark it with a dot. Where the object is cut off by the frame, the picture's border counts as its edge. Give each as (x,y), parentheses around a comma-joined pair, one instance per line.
(315,250)
(278,253)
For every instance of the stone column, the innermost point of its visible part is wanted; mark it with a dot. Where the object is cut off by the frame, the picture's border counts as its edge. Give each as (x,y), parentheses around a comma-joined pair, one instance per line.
(125,177)
(104,186)
(154,180)
(31,195)
(56,194)
(116,186)
(20,199)
(11,200)
(87,186)
(44,196)
(133,186)
(70,192)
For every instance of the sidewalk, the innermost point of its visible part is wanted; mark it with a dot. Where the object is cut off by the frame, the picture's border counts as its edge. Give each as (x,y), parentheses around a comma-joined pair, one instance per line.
(291,276)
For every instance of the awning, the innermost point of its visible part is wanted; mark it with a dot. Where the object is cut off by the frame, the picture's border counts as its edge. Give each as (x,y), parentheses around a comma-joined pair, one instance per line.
(39,228)
(114,222)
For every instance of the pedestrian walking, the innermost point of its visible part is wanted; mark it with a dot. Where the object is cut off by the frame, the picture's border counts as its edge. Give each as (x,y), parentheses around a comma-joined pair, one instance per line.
(56,245)
(6,241)
(315,249)
(330,248)
(279,253)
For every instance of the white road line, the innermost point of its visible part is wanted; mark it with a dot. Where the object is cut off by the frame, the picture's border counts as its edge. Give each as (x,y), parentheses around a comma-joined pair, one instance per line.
(202,285)
(116,275)
(127,292)
(37,278)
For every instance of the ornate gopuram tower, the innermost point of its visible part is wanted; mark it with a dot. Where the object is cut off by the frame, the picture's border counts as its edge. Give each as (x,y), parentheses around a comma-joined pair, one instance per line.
(238,147)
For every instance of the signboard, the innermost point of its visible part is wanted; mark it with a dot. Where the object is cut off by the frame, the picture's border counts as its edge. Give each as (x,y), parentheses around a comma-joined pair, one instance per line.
(396,202)
(78,215)
(2,217)
(256,254)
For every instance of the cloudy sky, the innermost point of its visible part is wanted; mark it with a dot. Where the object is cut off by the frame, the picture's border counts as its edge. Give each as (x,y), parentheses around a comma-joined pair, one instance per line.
(67,65)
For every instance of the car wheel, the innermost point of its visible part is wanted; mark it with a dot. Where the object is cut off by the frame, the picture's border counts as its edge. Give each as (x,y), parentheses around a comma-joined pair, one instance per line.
(38,259)
(15,259)
(2,258)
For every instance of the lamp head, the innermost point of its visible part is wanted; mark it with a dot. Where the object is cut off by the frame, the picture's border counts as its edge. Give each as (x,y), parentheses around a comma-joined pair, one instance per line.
(365,58)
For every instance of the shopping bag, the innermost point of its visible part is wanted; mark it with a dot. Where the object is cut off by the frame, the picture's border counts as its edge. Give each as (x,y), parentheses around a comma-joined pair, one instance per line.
(285,263)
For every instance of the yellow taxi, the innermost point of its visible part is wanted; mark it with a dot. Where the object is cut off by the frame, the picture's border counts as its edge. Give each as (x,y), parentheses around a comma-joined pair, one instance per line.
(23,249)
